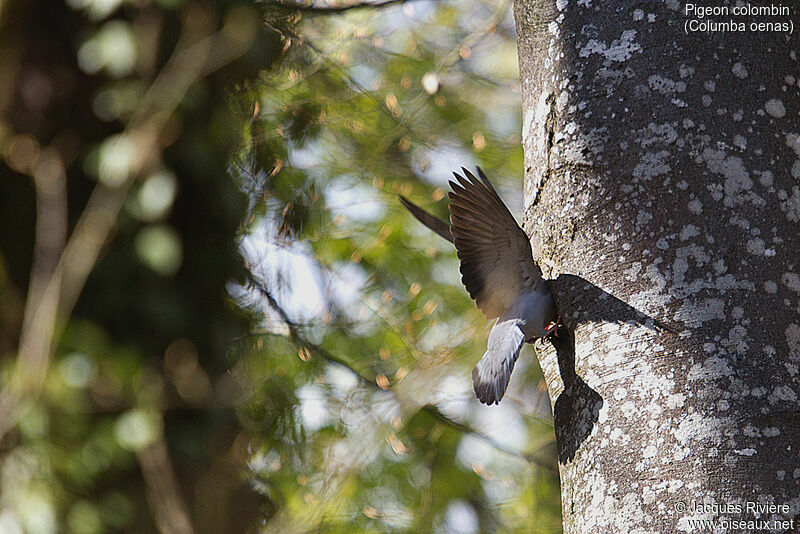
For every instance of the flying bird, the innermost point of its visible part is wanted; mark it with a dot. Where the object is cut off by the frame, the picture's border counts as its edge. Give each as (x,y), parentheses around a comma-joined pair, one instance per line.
(498,270)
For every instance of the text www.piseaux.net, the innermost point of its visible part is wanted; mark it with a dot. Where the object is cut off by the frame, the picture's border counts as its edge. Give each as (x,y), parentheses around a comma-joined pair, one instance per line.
(740,524)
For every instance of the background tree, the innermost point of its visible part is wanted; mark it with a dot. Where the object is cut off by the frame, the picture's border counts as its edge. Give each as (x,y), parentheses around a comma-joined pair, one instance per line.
(661,190)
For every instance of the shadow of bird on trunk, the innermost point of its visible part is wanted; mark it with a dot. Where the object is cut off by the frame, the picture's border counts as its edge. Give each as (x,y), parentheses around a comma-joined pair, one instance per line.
(577,408)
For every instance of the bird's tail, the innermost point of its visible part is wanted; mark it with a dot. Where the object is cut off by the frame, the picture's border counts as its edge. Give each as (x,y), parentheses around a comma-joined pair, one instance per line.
(431,221)
(491,375)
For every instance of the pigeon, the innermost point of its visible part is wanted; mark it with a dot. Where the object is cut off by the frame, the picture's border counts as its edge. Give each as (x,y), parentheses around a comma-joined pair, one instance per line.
(498,270)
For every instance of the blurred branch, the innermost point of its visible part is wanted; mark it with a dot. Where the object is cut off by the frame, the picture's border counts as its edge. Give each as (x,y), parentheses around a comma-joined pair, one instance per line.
(311,8)
(162,490)
(60,271)
(466,429)
(41,305)
(330,271)
(189,63)
(296,338)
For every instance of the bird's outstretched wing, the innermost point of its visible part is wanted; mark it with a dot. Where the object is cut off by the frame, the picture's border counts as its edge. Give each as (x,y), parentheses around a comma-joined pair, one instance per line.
(496,260)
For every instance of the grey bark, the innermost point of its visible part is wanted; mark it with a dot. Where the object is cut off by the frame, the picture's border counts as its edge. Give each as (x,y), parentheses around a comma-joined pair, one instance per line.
(662,199)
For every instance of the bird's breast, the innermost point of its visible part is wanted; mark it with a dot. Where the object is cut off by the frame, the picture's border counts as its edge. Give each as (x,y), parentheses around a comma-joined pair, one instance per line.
(534,310)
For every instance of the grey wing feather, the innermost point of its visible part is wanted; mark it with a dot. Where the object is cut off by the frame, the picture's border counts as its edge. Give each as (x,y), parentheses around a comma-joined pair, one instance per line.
(492,373)
(495,254)
(431,221)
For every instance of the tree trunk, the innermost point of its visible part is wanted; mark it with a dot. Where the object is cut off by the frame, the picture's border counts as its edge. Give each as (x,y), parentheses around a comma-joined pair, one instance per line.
(661,197)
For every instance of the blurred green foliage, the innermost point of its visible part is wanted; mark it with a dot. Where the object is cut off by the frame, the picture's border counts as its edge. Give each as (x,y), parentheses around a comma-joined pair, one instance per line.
(147,348)
(322,384)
